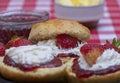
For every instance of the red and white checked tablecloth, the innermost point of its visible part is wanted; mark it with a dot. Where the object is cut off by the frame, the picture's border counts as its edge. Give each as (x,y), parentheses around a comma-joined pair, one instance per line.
(108,28)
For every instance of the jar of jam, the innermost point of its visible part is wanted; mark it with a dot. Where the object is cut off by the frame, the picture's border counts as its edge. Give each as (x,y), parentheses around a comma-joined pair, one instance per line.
(19,23)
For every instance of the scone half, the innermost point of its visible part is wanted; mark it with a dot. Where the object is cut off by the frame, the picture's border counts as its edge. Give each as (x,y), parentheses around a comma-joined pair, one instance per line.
(32,64)
(51,28)
(111,77)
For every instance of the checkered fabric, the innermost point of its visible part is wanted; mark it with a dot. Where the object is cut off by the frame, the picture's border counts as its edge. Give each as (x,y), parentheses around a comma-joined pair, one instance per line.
(108,27)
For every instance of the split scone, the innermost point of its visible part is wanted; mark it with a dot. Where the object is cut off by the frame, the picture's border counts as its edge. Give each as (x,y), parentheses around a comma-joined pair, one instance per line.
(66,36)
(56,41)
(97,64)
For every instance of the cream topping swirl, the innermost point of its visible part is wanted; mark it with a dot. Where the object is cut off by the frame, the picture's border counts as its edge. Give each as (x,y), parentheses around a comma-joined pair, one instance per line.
(31,54)
(109,57)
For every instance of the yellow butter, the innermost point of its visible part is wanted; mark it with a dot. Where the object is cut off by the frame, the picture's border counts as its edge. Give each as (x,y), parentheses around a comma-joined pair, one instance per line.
(65,2)
(79,2)
(75,2)
(94,2)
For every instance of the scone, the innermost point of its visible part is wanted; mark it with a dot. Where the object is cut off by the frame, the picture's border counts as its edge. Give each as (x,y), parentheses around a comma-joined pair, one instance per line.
(32,63)
(66,36)
(97,64)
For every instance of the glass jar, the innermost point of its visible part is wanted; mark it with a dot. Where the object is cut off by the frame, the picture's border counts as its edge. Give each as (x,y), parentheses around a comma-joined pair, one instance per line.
(19,23)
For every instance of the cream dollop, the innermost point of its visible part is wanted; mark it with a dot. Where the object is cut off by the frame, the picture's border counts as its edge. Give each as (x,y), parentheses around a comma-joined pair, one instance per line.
(31,54)
(110,57)
(57,50)
(75,50)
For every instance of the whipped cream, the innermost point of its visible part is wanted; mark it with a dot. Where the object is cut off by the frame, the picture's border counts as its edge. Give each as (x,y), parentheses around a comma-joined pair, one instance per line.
(75,50)
(31,54)
(43,51)
(109,58)
(58,50)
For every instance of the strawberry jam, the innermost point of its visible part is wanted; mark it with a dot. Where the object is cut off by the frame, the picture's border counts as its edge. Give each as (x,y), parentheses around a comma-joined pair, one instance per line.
(27,67)
(19,23)
(82,73)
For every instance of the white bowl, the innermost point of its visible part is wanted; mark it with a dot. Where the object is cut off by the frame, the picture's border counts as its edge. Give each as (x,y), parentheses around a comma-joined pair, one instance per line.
(88,15)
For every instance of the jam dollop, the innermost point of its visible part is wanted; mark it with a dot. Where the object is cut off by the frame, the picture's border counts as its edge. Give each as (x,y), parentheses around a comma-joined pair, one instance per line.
(56,62)
(82,73)
(19,23)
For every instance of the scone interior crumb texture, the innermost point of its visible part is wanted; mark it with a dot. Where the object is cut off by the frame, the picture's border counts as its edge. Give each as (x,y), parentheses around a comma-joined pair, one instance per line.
(51,28)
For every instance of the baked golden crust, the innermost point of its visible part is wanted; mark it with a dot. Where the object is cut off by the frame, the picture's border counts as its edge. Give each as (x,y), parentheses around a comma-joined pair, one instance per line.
(50,29)
(40,75)
(107,78)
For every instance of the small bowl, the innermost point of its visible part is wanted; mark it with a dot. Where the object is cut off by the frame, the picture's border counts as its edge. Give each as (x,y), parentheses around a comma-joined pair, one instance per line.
(19,23)
(87,15)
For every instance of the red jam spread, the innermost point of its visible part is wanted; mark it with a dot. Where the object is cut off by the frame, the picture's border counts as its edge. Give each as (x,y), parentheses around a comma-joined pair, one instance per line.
(19,23)
(26,67)
(82,73)
(67,55)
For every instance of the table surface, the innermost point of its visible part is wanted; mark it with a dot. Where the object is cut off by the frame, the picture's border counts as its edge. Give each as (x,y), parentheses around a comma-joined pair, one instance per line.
(108,27)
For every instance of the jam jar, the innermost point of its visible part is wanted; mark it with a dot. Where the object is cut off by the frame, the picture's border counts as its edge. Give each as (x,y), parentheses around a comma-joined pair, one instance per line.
(19,23)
